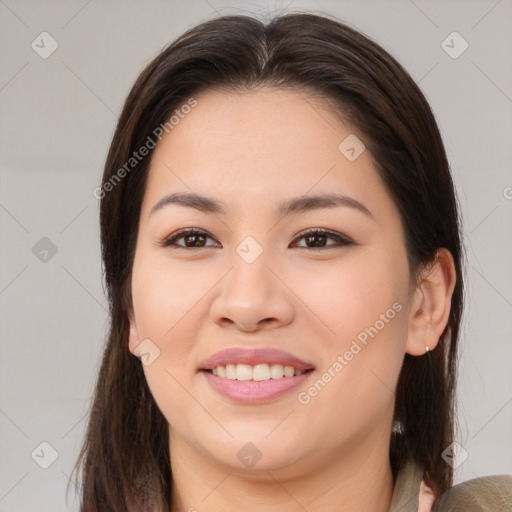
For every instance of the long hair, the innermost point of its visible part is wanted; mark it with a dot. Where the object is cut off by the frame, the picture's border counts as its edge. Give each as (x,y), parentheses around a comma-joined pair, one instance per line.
(124,462)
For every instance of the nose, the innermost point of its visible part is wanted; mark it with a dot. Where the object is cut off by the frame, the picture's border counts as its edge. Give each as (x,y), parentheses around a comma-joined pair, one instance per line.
(253,297)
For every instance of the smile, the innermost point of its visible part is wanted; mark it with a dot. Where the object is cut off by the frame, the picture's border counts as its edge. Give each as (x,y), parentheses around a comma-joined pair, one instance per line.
(258,372)
(254,384)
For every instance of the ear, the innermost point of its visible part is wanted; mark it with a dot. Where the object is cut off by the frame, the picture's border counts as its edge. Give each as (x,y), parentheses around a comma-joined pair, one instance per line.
(133,337)
(431,304)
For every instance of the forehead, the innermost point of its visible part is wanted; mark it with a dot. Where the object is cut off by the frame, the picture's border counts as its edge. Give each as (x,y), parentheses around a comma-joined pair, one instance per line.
(261,145)
(265,122)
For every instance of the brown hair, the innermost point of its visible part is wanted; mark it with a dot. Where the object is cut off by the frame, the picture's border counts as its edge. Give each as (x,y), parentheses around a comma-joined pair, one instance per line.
(124,460)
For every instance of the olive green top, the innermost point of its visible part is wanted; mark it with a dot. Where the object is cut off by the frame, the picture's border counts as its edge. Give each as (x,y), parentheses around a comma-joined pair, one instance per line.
(486,494)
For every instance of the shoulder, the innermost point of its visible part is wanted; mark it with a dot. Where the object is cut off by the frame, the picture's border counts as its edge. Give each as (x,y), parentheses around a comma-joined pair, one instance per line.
(488,493)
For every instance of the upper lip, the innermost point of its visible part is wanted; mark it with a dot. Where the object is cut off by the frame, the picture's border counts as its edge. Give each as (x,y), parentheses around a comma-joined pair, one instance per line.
(253,356)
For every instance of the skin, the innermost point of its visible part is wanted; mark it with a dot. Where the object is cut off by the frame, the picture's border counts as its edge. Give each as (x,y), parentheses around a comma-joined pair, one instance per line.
(253,150)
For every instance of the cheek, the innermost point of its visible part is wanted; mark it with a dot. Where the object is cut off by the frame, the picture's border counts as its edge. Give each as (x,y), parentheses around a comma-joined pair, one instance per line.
(351,296)
(165,298)
(169,311)
(363,305)
(169,306)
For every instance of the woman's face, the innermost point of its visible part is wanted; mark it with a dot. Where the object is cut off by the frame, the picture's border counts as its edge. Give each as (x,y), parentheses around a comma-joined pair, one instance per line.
(248,281)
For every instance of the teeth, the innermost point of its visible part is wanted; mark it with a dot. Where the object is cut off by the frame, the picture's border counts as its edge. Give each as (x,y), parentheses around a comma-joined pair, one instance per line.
(258,372)
(243,372)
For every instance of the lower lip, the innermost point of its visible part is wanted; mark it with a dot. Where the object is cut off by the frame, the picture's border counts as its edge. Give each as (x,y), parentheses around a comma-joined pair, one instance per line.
(254,392)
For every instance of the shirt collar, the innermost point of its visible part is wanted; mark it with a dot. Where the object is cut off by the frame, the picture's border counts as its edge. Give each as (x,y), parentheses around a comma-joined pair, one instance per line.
(407,489)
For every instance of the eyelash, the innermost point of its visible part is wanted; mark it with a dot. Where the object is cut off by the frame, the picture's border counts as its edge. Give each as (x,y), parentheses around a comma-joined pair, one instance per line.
(182,233)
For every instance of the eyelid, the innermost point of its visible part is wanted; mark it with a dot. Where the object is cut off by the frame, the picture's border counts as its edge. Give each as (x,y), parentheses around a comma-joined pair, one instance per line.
(341,240)
(170,240)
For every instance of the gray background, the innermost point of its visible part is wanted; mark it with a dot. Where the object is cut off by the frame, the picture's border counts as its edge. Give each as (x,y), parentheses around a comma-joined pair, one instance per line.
(57,118)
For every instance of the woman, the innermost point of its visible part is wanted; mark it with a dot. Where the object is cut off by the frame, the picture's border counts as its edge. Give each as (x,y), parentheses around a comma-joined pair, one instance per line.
(282,255)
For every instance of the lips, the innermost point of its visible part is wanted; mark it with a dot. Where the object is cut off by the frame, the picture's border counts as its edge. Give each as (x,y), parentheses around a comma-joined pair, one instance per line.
(254,356)
(249,392)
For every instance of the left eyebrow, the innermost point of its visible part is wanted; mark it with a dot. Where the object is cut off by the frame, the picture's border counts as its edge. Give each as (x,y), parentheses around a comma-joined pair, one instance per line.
(331,200)
(295,205)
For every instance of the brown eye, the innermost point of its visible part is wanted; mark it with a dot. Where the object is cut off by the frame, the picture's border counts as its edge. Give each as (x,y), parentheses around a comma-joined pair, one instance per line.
(317,239)
(193,239)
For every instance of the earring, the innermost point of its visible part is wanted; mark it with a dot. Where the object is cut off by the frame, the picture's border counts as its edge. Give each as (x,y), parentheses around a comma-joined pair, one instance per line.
(426,349)
(398,427)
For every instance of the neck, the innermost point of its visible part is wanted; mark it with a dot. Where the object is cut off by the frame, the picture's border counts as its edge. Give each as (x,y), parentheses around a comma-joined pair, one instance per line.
(346,482)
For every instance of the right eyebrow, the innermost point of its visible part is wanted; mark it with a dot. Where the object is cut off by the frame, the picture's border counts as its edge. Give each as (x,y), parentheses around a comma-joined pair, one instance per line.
(201,203)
